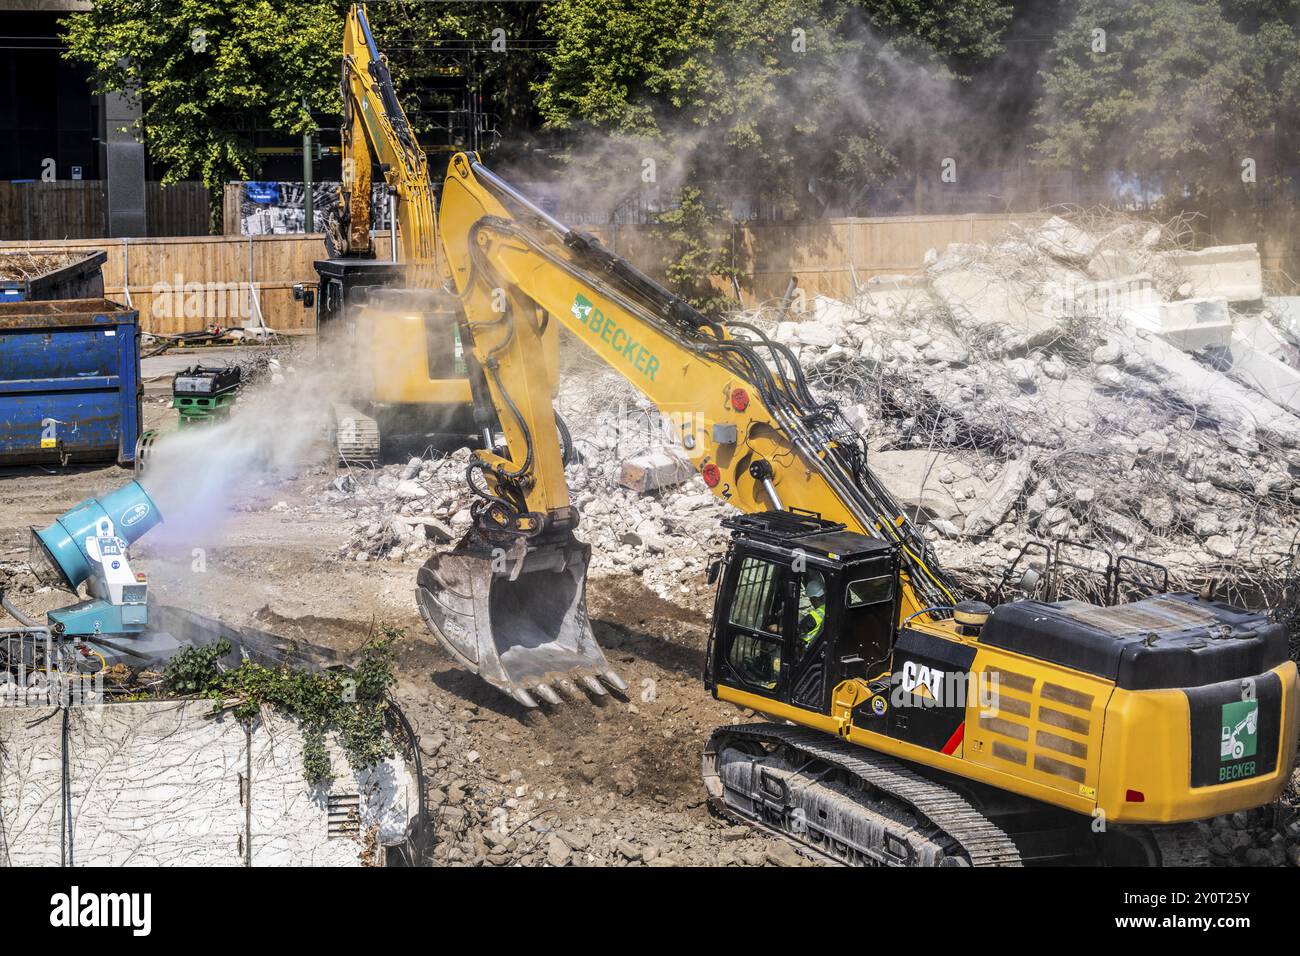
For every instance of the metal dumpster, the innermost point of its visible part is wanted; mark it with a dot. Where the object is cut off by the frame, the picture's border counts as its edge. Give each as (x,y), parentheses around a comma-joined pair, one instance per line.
(69,382)
(28,274)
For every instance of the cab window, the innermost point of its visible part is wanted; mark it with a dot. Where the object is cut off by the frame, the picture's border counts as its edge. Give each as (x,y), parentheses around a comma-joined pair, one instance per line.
(869,591)
(756,604)
(754,639)
(868,628)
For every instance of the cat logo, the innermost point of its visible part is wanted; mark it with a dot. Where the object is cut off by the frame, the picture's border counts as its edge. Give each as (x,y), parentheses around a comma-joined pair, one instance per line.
(923,681)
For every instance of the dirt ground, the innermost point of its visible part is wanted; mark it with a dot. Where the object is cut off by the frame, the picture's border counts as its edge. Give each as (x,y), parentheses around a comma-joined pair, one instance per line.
(595,782)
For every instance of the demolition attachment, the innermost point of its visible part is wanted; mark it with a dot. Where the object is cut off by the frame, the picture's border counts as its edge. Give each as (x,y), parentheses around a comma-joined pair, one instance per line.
(517,617)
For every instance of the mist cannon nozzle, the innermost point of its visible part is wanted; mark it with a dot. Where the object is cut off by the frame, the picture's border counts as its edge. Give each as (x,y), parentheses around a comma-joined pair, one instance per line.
(59,555)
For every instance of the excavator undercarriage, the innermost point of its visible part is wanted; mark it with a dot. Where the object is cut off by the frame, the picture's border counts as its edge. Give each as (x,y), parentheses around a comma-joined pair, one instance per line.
(851,806)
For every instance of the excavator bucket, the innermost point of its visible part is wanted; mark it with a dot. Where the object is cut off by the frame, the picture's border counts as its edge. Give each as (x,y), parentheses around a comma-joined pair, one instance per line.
(518,620)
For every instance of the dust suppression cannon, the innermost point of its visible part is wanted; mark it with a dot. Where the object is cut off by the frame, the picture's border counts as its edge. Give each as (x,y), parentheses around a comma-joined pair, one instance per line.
(88,545)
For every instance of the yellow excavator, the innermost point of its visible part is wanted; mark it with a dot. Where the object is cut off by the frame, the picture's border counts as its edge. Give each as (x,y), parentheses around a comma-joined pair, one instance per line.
(909,727)
(389,322)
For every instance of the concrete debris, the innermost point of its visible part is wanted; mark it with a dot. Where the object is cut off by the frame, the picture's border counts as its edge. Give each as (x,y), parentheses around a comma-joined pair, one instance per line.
(1095,382)
(1001,498)
(1061,240)
(1195,324)
(1228,272)
(654,471)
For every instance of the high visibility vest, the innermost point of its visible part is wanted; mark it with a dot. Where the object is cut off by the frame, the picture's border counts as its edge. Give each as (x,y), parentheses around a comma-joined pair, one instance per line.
(818,615)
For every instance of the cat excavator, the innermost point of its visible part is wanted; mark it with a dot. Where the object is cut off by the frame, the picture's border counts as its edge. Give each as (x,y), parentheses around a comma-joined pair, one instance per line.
(906,726)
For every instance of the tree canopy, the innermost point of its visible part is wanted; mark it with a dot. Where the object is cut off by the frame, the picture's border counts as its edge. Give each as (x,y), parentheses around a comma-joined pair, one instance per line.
(209,72)
(1188,89)
(792,95)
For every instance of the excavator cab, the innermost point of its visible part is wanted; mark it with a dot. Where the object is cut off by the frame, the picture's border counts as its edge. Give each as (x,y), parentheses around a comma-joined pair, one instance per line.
(404,379)
(803,605)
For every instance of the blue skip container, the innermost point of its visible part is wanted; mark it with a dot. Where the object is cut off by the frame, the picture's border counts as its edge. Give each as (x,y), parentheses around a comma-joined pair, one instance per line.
(69,382)
(74,275)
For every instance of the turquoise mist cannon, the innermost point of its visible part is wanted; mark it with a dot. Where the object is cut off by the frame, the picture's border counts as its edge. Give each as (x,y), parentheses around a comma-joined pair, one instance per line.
(87,545)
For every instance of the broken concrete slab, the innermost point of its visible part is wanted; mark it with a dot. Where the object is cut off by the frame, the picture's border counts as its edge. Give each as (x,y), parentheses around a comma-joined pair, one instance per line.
(833,313)
(1195,324)
(1001,497)
(1132,300)
(912,475)
(816,334)
(1227,272)
(981,299)
(895,294)
(1060,240)
(1239,412)
(1274,379)
(655,470)
(1285,310)
(1112,264)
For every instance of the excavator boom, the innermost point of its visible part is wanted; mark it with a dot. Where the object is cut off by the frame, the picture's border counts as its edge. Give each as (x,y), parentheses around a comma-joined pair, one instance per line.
(746,419)
(375,125)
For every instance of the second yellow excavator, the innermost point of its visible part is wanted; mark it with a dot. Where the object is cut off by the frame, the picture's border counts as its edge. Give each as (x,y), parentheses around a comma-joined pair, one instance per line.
(388,321)
(911,727)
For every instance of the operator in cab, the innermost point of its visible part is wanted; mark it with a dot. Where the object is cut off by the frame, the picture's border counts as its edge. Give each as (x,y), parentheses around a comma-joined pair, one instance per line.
(812,607)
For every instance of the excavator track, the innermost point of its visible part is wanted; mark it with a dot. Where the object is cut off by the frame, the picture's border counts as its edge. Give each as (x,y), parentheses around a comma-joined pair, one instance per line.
(848,805)
(356,436)
(1179,845)
(845,804)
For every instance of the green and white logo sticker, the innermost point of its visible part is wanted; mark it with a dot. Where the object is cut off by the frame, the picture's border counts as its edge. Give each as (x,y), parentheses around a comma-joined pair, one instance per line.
(1240,724)
(613,339)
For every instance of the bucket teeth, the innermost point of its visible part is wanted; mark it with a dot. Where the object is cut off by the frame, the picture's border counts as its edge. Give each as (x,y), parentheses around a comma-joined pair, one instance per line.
(527,633)
(548,694)
(524,697)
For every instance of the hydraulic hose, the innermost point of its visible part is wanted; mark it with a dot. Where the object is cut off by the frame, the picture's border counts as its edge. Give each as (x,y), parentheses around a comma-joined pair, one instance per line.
(22,618)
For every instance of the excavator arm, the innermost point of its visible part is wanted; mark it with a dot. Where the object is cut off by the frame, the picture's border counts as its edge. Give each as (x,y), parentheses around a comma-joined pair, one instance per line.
(376,132)
(744,414)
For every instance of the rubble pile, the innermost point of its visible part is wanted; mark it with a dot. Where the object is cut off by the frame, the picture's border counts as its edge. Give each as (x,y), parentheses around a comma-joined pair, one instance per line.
(1076,382)
(403,511)
(571,805)
(1266,836)
(643,508)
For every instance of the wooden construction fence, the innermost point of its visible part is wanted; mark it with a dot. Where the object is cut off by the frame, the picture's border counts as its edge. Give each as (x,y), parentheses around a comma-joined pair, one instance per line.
(184,284)
(76,209)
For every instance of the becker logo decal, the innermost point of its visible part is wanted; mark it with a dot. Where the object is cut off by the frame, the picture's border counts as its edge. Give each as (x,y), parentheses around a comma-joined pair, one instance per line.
(623,343)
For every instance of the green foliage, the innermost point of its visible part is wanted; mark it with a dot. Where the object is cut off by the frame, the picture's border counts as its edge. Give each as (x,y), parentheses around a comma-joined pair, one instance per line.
(426,43)
(694,240)
(784,100)
(210,72)
(194,669)
(353,704)
(781,91)
(1187,87)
